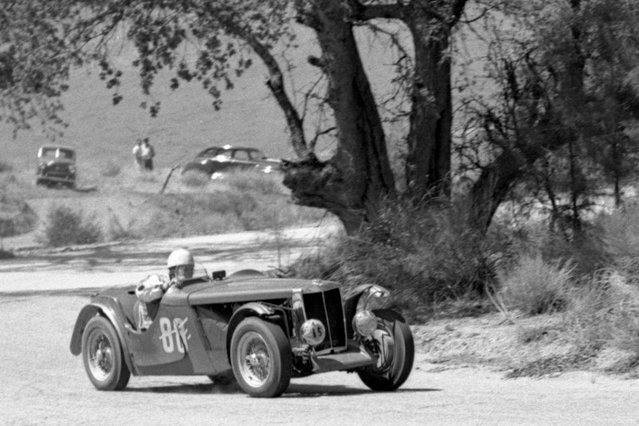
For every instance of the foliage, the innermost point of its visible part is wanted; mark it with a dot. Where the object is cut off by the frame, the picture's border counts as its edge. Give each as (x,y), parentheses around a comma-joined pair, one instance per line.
(111,169)
(195,179)
(563,117)
(35,60)
(605,312)
(620,237)
(534,286)
(424,253)
(65,226)
(5,167)
(247,180)
(16,217)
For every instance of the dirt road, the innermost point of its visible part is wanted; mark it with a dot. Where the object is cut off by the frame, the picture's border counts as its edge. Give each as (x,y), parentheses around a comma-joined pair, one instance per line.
(42,383)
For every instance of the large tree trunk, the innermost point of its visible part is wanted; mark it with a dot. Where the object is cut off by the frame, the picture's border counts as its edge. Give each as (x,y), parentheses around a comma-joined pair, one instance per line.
(491,189)
(354,182)
(429,138)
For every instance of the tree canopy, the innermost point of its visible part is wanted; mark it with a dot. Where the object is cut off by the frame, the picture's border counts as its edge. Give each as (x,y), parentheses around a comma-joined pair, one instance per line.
(565,93)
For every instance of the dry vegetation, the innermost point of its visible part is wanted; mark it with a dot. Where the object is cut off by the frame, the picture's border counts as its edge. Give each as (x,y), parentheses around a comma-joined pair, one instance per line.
(518,300)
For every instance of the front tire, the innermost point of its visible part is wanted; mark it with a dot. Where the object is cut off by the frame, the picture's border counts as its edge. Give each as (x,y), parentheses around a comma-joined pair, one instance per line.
(102,355)
(395,366)
(261,358)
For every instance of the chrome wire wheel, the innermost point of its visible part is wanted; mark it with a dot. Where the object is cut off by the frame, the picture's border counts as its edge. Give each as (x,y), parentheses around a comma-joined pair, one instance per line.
(100,355)
(254,359)
(261,358)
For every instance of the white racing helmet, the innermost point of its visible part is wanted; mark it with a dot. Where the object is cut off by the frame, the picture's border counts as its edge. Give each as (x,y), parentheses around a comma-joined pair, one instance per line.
(180,257)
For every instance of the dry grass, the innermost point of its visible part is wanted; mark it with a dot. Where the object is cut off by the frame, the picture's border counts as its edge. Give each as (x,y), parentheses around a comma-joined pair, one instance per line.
(424,254)
(65,226)
(534,286)
(195,179)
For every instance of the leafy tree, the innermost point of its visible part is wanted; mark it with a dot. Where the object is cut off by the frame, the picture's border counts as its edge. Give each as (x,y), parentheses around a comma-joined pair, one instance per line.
(225,34)
(566,100)
(34,62)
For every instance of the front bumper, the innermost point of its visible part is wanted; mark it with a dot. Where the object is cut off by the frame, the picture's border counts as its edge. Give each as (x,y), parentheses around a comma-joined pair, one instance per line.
(354,357)
(60,179)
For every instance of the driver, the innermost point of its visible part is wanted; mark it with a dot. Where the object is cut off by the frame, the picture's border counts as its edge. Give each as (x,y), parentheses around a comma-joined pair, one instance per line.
(151,289)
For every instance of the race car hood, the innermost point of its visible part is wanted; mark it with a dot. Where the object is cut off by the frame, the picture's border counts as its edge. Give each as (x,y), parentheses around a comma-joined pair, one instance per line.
(243,290)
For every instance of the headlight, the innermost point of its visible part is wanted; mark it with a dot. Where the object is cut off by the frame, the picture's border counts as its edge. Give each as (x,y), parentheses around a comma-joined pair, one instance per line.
(365,323)
(313,332)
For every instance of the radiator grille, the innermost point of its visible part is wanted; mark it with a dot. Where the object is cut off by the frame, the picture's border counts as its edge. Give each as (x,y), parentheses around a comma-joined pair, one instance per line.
(327,307)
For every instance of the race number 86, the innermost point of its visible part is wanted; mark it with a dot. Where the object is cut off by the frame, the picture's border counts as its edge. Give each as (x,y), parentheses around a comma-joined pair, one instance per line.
(173,333)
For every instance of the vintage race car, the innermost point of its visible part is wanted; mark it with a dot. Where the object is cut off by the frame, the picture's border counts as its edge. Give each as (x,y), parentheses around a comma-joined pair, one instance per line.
(257,330)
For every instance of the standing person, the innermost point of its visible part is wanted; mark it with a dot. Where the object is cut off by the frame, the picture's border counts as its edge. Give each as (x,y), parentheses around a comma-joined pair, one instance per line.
(147,153)
(137,153)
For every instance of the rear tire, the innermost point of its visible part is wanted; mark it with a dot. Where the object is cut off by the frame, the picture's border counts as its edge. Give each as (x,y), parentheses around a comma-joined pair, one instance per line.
(102,355)
(261,358)
(393,373)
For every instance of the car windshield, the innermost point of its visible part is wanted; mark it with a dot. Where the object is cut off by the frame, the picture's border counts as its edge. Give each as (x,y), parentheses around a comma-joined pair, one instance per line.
(66,153)
(50,153)
(47,153)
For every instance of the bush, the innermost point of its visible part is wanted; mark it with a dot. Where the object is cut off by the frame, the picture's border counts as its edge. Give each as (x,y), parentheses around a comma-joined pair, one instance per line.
(16,217)
(111,169)
(621,237)
(65,226)
(5,167)
(534,286)
(605,312)
(255,181)
(424,253)
(196,179)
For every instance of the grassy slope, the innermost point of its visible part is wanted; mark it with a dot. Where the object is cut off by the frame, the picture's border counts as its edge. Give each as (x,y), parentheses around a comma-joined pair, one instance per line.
(187,122)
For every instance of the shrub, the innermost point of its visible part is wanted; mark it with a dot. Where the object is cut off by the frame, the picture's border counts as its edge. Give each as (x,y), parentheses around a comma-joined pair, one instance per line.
(119,232)
(195,179)
(65,226)
(621,237)
(111,169)
(5,167)
(16,217)
(534,286)
(255,181)
(424,253)
(605,312)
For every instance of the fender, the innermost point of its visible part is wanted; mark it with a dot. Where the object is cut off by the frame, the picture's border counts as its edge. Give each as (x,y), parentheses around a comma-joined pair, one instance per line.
(353,297)
(106,309)
(252,309)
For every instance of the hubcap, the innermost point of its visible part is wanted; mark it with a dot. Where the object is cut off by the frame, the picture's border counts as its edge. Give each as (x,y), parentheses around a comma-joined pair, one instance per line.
(254,359)
(100,355)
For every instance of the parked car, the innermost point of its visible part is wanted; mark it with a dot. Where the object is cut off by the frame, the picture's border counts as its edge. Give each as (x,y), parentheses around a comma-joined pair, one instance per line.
(214,161)
(258,330)
(56,165)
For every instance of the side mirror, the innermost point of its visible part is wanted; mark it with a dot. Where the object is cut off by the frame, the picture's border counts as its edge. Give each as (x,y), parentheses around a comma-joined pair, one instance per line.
(218,275)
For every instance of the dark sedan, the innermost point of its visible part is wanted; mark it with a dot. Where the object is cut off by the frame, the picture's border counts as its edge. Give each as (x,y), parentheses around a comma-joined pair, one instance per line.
(215,161)
(56,165)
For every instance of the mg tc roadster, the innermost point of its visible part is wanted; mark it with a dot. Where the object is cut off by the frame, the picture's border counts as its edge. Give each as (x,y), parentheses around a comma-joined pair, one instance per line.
(257,330)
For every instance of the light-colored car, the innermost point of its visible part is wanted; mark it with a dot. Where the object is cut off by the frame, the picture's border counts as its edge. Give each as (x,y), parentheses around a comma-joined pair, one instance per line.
(56,165)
